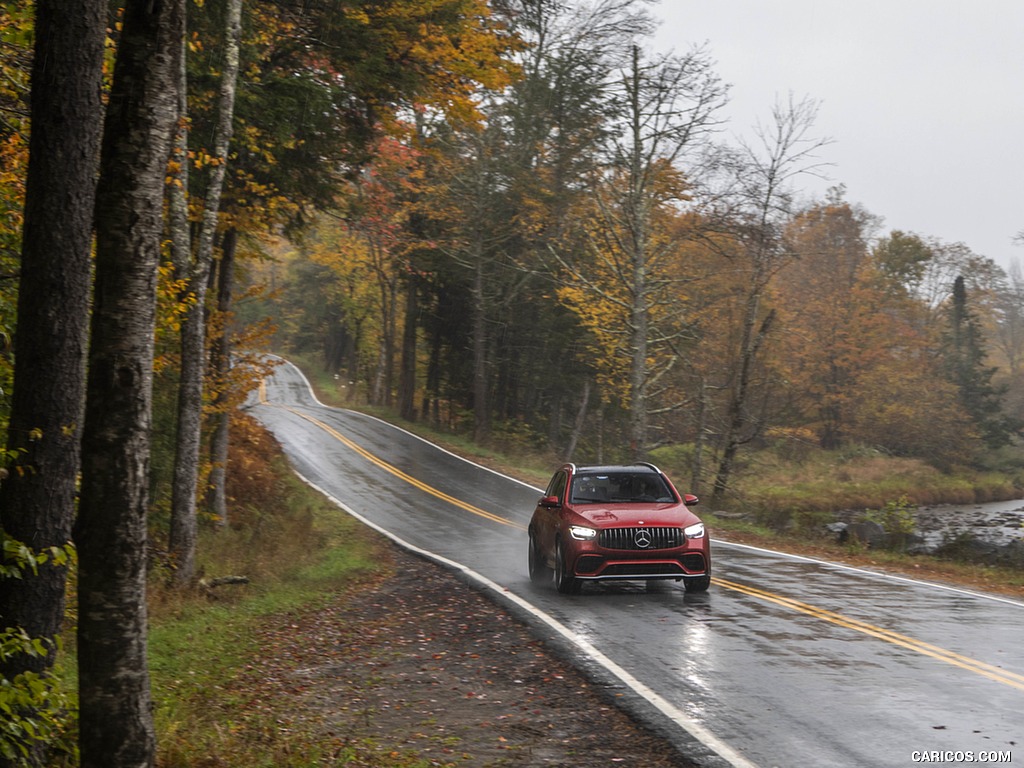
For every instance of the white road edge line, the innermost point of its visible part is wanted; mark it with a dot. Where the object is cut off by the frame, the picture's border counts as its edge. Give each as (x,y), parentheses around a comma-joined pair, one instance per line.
(673,713)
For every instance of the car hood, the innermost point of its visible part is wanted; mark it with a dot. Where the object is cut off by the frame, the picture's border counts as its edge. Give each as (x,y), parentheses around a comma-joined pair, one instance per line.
(627,515)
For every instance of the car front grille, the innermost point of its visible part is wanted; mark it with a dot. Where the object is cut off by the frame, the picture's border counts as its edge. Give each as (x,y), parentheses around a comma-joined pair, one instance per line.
(635,538)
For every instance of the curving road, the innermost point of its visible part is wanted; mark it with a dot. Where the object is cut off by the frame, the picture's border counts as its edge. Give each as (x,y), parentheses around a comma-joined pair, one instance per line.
(786,661)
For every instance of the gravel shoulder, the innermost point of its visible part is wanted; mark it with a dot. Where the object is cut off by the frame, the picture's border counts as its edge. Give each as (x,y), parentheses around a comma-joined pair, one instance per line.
(419,666)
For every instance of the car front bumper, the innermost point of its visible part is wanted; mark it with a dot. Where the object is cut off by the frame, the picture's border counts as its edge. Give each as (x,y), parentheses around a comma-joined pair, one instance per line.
(595,565)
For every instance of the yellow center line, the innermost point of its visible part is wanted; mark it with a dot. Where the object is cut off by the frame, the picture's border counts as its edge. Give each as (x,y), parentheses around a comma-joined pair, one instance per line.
(927,649)
(400,474)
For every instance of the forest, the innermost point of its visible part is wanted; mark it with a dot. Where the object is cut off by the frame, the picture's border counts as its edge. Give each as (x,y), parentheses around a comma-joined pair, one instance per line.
(587,266)
(508,219)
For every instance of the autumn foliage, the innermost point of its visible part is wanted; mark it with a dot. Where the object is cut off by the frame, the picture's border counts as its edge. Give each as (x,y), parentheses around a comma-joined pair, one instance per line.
(463,265)
(505,218)
(433,197)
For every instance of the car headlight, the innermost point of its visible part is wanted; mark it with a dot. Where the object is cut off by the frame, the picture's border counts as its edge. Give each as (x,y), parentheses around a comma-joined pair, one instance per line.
(695,531)
(582,533)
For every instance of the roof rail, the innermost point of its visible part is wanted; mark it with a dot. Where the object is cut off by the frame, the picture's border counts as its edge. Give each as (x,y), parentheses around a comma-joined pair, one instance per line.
(647,464)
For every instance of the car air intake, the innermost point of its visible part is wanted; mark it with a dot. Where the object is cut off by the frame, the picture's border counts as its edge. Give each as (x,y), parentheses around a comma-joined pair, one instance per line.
(589,564)
(694,563)
(641,538)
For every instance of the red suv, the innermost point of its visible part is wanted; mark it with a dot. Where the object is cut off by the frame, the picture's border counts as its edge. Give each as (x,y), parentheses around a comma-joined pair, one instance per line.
(617,522)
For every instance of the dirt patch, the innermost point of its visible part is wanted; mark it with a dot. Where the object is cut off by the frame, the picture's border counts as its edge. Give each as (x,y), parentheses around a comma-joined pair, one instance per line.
(422,665)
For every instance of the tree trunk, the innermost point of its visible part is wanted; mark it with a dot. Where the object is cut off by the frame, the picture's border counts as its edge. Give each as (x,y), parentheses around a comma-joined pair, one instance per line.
(407,375)
(481,412)
(37,496)
(581,415)
(638,218)
(184,487)
(638,370)
(738,403)
(789,154)
(697,472)
(116,719)
(390,339)
(379,383)
(183,528)
(432,394)
(220,363)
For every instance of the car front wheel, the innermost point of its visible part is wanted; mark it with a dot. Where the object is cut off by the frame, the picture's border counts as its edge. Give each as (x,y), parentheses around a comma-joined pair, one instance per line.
(539,571)
(699,584)
(565,582)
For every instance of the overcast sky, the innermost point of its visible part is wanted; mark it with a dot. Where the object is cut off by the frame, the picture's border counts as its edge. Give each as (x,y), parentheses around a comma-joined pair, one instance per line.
(924,100)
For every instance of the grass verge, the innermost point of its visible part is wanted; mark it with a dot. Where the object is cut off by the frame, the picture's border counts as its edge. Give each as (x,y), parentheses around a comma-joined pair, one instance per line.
(201,642)
(216,705)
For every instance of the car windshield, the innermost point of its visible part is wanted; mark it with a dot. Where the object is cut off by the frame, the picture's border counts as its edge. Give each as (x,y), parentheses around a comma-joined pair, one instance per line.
(620,487)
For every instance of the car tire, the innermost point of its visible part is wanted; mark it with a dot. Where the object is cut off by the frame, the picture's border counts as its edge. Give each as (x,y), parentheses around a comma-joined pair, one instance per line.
(539,571)
(699,584)
(565,582)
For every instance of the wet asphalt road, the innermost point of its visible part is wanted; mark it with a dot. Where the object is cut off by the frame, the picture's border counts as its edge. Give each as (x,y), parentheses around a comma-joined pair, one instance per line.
(788,661)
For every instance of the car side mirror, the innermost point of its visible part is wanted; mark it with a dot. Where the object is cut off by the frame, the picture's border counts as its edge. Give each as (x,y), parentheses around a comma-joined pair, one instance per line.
(690,500)
(549,501)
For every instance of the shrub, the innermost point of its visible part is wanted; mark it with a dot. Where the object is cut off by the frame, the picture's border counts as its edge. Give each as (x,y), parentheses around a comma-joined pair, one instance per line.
(36,717)
(897,520)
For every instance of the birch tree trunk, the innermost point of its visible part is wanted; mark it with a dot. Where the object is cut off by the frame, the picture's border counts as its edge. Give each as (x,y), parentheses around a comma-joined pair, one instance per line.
(184,488)
(116,719)
(220,364)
